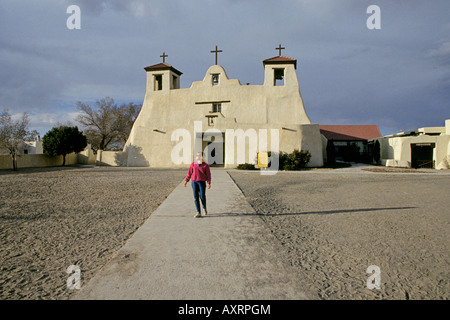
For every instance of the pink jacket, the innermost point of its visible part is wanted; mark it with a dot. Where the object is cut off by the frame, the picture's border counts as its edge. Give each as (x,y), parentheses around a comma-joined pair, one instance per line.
(198,172)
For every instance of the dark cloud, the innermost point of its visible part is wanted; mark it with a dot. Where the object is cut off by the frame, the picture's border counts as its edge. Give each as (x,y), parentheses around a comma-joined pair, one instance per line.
(397,77)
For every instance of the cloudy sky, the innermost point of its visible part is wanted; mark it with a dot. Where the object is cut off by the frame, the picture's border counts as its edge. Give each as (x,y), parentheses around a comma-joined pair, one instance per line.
(397,77)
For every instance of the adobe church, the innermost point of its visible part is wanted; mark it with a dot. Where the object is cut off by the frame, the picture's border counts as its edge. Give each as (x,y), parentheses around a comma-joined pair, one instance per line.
(204,115)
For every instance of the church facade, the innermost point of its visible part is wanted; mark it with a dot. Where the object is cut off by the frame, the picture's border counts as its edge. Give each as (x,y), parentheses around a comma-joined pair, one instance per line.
(229,122)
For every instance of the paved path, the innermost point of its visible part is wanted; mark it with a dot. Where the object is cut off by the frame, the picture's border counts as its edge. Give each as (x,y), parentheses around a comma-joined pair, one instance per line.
(227,255)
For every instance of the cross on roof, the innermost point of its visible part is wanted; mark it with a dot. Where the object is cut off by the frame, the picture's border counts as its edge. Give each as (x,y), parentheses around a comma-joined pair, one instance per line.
(216,51)
(164,55)
(279,49)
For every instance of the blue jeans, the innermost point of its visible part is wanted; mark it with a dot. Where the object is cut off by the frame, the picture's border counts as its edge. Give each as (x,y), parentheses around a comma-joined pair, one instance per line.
(199,188)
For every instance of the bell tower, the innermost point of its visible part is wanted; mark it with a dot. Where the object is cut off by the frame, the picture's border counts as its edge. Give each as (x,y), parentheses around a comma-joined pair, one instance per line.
(279,71)
(162,76)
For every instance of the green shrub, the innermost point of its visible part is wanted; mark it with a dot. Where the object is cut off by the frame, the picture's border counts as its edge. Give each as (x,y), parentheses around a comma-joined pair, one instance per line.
(63,140)
(294,161)
(246,166)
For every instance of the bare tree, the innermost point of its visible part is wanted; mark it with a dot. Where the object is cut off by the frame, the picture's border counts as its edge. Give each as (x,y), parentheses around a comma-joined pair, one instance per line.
(107,126)
(126,115)
(14,133)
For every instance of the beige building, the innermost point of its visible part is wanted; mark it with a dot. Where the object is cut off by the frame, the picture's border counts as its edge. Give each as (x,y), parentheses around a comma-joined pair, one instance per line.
(228,121)
(422,148)
(32,147)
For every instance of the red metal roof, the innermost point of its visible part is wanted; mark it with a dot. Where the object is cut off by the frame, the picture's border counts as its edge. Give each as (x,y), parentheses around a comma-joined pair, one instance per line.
(163,66)
(280,60)
(350,132)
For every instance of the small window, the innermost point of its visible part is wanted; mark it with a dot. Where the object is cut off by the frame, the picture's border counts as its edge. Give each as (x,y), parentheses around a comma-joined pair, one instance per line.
(158,82)
(25,151)
(278,77)
(215,79)
(211,120)
(217,107)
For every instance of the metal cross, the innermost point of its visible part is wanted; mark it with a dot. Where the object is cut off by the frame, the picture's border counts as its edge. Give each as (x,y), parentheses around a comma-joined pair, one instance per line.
(279,49)
(216,51)
(164,55)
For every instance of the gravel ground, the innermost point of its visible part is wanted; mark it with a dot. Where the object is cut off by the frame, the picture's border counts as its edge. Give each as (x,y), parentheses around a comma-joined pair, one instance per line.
(334,224)
(52,218)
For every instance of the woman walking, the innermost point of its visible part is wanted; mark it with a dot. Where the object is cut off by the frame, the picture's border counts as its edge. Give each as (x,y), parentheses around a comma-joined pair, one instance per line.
(200,174)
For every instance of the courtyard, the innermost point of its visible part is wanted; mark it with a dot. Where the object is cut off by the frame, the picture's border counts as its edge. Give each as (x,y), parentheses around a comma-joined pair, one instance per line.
(330,224)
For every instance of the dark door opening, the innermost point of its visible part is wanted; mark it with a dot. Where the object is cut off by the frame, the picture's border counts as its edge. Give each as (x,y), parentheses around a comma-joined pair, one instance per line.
(422,155)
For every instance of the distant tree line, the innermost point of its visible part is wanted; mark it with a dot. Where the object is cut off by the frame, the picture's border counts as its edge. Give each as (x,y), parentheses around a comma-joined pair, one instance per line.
(106,127)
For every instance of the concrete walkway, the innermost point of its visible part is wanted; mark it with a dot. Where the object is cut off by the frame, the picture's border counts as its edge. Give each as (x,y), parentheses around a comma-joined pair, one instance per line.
(228,254)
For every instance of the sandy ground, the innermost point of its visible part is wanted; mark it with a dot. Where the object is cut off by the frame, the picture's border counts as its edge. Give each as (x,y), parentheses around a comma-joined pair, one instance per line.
(56,217)
(333,225)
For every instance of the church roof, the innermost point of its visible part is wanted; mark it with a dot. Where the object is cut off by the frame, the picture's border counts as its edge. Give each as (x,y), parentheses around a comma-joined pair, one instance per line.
(350,132)
(163,66)
(280,60)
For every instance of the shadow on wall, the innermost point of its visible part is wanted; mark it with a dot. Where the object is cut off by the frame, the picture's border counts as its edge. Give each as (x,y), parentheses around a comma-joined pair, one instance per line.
(388,152)
(132,157)
(110,158)
(120,158)
(86,157)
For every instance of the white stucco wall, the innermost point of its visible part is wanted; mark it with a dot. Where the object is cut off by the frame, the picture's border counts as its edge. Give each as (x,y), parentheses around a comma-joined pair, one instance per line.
(396,151)
(246,107)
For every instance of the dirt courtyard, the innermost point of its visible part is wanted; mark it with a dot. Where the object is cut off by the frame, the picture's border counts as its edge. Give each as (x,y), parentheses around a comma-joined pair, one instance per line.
(52,218)
(334,224)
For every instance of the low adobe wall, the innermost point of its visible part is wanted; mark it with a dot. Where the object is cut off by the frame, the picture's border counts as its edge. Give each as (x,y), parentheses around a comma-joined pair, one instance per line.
(111,158)
(41,160)
(37,161)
